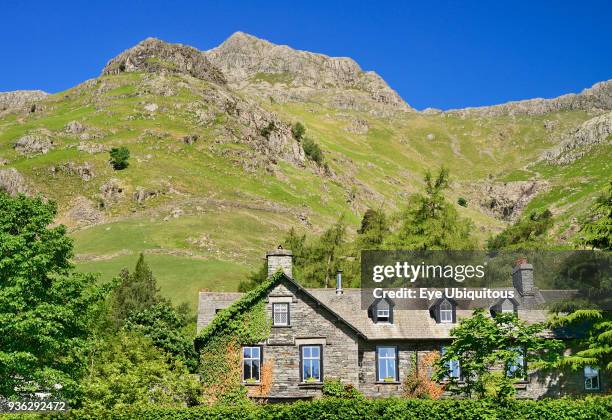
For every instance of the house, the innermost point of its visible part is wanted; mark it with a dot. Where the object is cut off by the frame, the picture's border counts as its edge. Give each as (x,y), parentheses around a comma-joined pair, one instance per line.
(324,333)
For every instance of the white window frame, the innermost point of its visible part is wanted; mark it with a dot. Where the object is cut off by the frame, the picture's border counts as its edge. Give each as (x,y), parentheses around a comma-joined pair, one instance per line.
(383,315)
(453,366)
(446,312)
(280,309)
(591,373)
(250,360)
(318,359)
(387,359)
(519,363)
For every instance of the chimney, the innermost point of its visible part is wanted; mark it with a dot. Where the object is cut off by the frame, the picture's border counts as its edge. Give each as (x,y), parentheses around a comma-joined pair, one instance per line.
(522,277)
(280,259)
(339,290)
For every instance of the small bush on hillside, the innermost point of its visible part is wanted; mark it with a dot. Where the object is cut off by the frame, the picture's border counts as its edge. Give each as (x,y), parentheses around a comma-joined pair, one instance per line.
(119,157)
(312,150)
(268,129)
(462,202)
(298,130)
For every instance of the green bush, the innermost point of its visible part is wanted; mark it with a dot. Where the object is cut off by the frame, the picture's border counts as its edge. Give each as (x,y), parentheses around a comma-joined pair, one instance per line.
(298,130)
(462,202)
(335,388)
(389,408)
(119,157)
(312,150)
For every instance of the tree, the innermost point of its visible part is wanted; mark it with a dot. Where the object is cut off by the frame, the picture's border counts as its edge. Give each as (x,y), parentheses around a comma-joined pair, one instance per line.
(489,352)
(136,292)
(165,327)
(430,222)
(596,229)
(47,311)
(119,157)
(320,260)
(527,233)
(298,130)
(312,151)
(127,370)
(374,229)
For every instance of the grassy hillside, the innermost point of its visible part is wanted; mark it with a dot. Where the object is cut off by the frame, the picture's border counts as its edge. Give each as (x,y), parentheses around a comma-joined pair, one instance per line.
(215,211)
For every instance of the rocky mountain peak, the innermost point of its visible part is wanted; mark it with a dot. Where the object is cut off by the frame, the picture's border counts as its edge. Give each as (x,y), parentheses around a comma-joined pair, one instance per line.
(597,98)
(156,56)
(20,100)
(248,61)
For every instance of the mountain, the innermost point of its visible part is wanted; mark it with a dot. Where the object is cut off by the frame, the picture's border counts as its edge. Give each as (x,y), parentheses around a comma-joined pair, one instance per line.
(216,177)
(284,74)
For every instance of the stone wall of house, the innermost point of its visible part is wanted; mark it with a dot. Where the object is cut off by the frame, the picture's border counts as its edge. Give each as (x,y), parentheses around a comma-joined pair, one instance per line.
(310,323)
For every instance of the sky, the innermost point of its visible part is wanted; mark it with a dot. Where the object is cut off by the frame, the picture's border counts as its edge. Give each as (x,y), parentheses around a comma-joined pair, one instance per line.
(441,54)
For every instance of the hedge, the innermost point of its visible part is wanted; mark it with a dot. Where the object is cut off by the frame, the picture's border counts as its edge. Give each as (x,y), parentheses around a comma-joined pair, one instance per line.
(390,408)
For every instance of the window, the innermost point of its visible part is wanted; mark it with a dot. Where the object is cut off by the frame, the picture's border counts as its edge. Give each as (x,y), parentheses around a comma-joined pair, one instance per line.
(383,311)
(507,307)
(446,312)
(251,362)
(386,364)
(382,315)
(311,364)
(518,364)
(591,378)
(280,313)
(453,366)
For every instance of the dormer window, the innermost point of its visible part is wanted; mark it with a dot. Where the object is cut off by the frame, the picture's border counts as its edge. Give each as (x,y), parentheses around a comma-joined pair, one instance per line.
(382,315)
(504,306)
(446,312)
(381,311)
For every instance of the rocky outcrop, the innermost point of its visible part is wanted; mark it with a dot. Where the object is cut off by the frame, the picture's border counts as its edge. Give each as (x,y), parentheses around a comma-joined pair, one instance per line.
(83,212)
(247,60)
(34,144)
(597,98)
(592,132)
(111,192)
(20,100)
(74,127)
(504,200)
(12,182)
(155,56)
(358,126)
(83,171)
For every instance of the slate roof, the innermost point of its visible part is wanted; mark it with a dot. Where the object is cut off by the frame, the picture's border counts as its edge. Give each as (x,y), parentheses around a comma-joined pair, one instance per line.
(408,324)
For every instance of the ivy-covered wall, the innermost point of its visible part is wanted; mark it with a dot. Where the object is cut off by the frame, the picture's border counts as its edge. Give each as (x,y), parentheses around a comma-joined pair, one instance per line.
(242,323)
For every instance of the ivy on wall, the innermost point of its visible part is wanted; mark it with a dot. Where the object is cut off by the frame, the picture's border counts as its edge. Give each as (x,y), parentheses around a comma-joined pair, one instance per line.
(244,322)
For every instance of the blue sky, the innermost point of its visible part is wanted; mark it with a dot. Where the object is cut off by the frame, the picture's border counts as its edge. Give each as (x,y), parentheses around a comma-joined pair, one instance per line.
(434,53)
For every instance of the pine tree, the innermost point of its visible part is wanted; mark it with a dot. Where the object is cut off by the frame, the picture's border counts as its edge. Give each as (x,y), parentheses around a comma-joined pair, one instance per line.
(430,222)
(136,291)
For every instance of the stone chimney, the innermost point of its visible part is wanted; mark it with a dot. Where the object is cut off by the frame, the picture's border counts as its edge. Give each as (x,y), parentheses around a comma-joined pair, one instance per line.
(339,290)
(280,259)
(522,277)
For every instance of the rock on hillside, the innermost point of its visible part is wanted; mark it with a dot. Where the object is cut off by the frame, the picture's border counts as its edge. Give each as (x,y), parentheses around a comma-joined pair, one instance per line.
(592,132)
(504,200)
(597,98)
(19,100)
(155,56)
(247,60)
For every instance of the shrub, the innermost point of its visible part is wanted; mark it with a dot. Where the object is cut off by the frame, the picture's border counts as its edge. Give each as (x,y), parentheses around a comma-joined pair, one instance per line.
(335,388)
(388,408)
(298,130)
(268,129)
(312,150)
(462,202)
(119,157)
